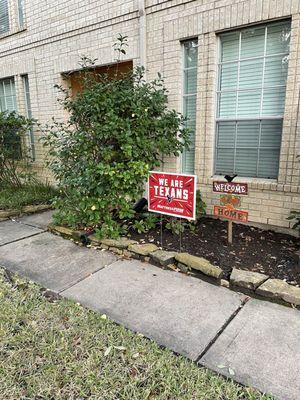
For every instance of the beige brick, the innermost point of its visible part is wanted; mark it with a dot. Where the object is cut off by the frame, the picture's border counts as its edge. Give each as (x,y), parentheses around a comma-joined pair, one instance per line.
(59,31)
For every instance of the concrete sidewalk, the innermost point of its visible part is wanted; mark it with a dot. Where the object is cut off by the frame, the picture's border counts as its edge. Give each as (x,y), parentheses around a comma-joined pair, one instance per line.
(253,342)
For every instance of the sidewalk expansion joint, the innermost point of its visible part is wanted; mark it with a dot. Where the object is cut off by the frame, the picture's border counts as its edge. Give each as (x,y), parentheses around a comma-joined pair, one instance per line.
(22,238)
(221,330)
(60,292)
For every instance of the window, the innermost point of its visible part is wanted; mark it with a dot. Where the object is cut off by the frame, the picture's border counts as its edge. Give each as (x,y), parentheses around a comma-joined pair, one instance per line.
(8,101)
(4,16)
(76,80)
(190,49)
(28,114)
(21,13)
(251,97)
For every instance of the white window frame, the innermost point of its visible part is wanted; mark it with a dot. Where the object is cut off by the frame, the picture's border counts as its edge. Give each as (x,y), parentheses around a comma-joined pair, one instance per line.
(14,96)
(237,119)
(185,95)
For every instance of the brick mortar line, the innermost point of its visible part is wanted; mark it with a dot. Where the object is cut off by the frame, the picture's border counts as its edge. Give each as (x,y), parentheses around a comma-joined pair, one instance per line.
(71,33)
(221,330)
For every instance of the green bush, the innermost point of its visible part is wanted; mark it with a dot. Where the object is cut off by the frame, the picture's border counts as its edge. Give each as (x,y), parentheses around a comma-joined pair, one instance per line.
(118,129)
(14,167)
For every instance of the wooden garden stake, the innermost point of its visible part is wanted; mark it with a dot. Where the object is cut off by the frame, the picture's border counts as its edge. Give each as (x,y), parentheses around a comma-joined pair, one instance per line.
(230,232)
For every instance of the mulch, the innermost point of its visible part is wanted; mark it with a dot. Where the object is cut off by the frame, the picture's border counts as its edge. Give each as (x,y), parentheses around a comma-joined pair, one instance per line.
(253,249)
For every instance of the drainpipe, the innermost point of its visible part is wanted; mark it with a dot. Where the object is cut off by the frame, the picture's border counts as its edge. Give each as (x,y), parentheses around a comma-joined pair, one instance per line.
(142,35)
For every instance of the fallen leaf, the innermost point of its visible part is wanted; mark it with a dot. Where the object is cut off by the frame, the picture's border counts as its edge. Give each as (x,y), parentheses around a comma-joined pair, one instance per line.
(231,371)
(107,351)
(121,348)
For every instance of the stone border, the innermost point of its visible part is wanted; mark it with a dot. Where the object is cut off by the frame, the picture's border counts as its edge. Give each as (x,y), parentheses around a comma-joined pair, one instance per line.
(6,214)
(252,283)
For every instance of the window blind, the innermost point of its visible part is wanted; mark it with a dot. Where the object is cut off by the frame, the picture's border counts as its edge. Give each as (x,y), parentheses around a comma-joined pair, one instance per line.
(251,98)
(21,13)
(26,89)
(4,16)
(8,101)
(190,50)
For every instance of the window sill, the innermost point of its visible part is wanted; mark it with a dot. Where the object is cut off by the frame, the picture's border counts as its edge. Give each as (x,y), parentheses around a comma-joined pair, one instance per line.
(254,183)
(247,179)
(12,32)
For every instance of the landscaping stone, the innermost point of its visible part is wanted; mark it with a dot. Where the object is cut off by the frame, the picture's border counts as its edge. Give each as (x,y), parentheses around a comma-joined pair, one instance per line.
(8,213)
(247,279)
(36,208)
(278,289)
(25,210)
(127,253)
(121,243)
(200,264)
(224,283)
(163,257)
(62,230)
(116,250)
(95,241)
(182,267)
(143,249)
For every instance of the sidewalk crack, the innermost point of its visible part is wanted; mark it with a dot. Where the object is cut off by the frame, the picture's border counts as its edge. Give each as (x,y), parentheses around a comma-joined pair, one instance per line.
(222,329)
(22,238)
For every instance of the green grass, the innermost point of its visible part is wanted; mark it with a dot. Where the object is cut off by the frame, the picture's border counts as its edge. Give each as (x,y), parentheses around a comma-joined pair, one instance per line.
(15,198)
(60,350)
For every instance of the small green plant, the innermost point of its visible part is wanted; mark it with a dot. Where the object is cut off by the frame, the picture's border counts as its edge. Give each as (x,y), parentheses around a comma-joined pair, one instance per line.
(176,226)
(146,223)
(200,205)
(295,215)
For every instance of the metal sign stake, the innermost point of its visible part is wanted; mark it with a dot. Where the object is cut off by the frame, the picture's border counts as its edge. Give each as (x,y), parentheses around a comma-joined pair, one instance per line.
(180,236)
(161,231)
(230,232)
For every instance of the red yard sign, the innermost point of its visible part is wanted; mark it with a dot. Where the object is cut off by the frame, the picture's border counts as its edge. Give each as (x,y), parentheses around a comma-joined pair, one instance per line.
(172,194)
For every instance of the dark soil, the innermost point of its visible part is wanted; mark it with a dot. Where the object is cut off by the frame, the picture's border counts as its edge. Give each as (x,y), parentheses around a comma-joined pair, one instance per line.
(253,249)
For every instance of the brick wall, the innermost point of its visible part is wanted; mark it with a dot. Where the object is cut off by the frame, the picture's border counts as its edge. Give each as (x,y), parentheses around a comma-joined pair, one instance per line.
(169,22)
(58,33)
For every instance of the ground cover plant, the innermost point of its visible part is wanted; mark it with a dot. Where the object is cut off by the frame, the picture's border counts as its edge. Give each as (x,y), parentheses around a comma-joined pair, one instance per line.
(12,198)
(119,129)
(56,349)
